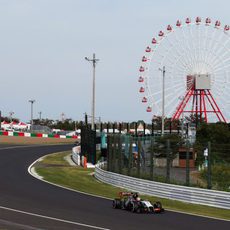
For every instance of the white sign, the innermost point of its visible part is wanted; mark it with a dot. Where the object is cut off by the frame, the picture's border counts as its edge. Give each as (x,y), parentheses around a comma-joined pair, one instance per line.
(206,152)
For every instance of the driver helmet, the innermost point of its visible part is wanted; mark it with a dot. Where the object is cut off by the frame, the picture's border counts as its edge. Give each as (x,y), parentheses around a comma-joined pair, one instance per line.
(135,195)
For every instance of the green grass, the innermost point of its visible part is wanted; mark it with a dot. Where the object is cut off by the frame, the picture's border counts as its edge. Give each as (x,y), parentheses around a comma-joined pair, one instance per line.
(55,169)
(220,176)
(56,159)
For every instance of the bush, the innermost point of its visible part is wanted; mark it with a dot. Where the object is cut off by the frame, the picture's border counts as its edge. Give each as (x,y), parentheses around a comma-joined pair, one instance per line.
(220,176)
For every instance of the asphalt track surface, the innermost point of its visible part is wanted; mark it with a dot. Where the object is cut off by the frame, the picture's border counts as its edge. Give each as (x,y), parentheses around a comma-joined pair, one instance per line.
(28,203)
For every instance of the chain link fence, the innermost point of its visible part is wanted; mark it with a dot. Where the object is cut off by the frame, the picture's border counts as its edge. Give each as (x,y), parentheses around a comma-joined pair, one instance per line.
(168,159)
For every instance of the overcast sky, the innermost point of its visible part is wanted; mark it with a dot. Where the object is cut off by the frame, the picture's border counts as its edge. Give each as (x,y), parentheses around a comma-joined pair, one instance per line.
(43,44)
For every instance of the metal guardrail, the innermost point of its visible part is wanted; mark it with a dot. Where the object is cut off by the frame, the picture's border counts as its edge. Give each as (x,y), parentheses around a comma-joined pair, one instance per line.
(175,192)
(76,155)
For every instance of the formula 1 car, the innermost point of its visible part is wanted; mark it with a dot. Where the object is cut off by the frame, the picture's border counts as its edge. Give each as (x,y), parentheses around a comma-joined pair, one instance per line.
(132,202)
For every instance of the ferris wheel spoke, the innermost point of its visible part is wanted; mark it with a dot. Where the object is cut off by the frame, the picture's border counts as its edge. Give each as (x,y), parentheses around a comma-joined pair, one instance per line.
(178,67)
(218,49)
(172,57)
(216,45)
(172,49)
(216,57)
(211,37)
(179,60)
(223,70)
(190,54)
(193,47)
(194,51)
(175,44)
(188,58)
(216,60)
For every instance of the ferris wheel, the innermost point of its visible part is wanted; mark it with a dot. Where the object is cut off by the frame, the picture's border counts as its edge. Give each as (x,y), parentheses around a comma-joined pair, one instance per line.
(185,71)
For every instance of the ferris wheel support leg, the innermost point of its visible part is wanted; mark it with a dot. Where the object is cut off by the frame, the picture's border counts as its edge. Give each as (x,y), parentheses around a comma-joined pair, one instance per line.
(204,105)
(201,110)
(196,104)
(193,103)
(218,112)
(212,105)
(182,105)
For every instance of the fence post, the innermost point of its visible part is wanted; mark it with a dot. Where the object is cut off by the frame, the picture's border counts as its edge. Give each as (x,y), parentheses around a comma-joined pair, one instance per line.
(168,162)
(139,158)
(113,155)
(209,172)
(144,127)
(109,153)
(107,127)
(119,152)
(86,119)
(101,127)
(152,128)
(151,158)
(187,164)
(130,155)
(136,129)
(127,127)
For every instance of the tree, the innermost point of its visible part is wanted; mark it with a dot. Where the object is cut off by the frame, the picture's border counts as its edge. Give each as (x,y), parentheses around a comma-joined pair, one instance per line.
(219,135)
(160,145)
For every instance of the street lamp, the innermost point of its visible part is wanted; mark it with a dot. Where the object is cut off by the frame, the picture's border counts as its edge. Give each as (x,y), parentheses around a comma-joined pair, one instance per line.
(32,102)
(163,101)
(94,61)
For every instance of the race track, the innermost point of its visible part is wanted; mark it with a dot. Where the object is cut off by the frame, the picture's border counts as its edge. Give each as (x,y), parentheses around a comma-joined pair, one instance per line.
(27,203)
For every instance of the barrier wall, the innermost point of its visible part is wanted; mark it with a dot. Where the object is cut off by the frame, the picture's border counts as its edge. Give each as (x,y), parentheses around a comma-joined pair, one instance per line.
(22,134)
(169,191)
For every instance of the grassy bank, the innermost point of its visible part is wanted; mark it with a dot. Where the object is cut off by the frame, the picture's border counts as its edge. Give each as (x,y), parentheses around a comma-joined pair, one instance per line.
(54,168)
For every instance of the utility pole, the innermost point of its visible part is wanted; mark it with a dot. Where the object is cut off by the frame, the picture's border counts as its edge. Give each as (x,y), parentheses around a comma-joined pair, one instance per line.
(163,101)
(40,115)
(32,102)
(94,61)
(62,117)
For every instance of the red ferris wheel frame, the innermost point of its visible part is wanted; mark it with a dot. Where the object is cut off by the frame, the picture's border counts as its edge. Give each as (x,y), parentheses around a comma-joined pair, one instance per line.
(200,98)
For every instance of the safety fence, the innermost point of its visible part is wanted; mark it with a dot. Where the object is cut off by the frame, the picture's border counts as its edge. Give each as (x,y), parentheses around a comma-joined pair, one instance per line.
(163,190)
(149,157)
(170,159)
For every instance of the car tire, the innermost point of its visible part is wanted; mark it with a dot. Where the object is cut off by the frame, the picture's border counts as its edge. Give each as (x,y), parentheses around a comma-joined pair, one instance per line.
(132,207)
(116,203)
(158,205)
(138,210)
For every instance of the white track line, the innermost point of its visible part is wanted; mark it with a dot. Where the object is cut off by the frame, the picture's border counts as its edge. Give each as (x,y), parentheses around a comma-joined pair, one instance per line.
(33,173)
(21,146)
(53,218)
